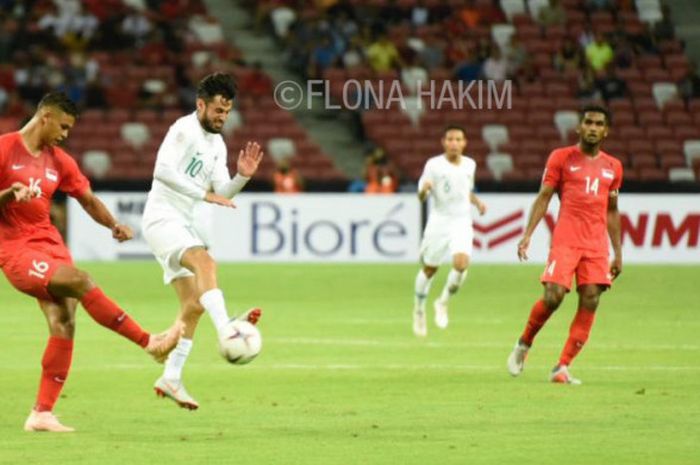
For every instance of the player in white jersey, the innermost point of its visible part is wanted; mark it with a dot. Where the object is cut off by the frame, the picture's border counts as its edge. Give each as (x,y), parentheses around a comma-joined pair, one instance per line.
(449,179)
(191,167)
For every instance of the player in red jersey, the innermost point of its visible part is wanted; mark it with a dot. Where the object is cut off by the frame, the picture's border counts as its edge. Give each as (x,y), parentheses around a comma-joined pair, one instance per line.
(587,181)
(35,259)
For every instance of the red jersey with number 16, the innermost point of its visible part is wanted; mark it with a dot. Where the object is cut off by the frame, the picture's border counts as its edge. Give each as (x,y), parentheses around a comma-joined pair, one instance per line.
(24,222)
(584,185)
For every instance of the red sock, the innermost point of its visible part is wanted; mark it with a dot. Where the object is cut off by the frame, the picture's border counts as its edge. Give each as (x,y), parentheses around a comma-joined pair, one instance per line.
(578,335)
(104,311)
(55,365)
(538,317)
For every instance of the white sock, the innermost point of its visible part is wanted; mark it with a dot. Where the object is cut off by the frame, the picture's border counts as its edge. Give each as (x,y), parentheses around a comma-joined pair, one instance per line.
(422,287)
(454,281)
(176,360)
(213,303)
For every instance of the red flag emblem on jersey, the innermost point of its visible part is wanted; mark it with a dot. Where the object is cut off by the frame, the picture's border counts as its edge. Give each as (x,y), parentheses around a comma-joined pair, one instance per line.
(51,175)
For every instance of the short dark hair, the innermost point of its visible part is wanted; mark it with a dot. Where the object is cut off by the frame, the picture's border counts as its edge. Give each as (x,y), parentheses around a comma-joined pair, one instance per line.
(596,109)
(61,101)
(217,84)
(454,127)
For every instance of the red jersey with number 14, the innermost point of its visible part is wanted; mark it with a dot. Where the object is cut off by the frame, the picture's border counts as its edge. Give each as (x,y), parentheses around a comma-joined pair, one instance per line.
(53,169)
(584,185)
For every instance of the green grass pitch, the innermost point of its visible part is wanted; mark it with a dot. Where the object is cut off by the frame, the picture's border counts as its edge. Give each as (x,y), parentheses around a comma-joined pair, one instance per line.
(342,380)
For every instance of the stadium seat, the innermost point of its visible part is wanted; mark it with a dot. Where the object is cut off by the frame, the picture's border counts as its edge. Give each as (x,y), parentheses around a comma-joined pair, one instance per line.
(691,150)
(565,121)
(494,135)
(136,134)
(534,7)
(664,92)
(96,163)
(681,175)
(281,148)
(512,8)
(501,34)
(499,164)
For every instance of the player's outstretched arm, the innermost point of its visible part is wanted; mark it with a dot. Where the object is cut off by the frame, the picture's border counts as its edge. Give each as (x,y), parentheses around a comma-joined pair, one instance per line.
(478,203)
(539,209)
(17,192)
(615,233)
(101,214)
(248,161)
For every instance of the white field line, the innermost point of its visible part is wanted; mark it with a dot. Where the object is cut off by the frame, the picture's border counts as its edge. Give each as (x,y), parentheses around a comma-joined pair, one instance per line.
(474,345)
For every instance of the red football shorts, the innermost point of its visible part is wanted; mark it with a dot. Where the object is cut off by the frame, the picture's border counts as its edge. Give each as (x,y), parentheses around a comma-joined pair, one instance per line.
(30,269)
(589,267)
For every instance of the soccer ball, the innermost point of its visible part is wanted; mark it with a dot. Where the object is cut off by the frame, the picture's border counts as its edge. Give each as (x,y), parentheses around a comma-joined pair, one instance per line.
(240,342)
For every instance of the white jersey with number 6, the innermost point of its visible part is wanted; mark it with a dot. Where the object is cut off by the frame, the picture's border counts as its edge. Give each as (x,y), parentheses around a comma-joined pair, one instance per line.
(449,229)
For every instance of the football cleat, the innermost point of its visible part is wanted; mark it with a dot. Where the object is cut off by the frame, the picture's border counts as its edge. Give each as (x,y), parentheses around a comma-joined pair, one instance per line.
(420,327)
(252,316)
(516,359)
(441,319)
(45,421)
(560,374)
(175,390)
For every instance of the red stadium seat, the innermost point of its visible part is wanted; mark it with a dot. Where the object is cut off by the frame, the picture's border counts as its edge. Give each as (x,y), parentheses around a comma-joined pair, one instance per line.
(632,132)
(659,132)
(643,160)
(652,175)
(678,118)
(650,118)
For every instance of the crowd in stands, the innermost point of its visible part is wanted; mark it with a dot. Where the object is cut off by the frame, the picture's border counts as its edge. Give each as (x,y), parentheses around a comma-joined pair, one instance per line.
(574,50)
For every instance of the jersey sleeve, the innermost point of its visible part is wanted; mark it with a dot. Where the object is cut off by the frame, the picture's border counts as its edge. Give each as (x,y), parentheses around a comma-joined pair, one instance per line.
(220,175)
(73,181)
(617,181)
(553,170)
(170,155)
(427,175)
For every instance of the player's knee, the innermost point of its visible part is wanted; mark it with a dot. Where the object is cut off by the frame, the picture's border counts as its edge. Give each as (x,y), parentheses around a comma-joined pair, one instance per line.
(589,297)
(202,262)
(62,325)
(429,271)
(72,283)
(460,263)
(553,298)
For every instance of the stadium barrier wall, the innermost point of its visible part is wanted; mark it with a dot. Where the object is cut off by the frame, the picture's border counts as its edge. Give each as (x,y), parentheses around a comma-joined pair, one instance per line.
(657,228)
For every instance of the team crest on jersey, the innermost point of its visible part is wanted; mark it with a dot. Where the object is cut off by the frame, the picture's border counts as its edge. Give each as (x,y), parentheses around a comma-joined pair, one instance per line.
(609,174)
(51,175)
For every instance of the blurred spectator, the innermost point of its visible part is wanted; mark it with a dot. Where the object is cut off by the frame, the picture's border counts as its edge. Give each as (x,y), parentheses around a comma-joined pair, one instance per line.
(552,14)
(469,69)
(624,53)
(599,53)
(322,56)
(611,86)
(286,179)
(433,54)
(569,57)
(383,55)
(496,66)
(516,55)
(420,15)
(664,29)
(470,15)
(587,88)
(355,54)
(137,27)
(587,36)
(380,173)
(599,4)
(414,76)
(689,86)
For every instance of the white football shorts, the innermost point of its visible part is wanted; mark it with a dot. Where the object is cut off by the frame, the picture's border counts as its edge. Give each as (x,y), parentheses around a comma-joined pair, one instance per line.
(445,237)
(168,239)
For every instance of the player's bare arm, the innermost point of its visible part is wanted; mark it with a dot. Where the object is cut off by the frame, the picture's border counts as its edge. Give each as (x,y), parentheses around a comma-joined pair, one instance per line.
(424,191)
(539,209)
(614,231)
(18,192)
(101,214)
(478,203)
